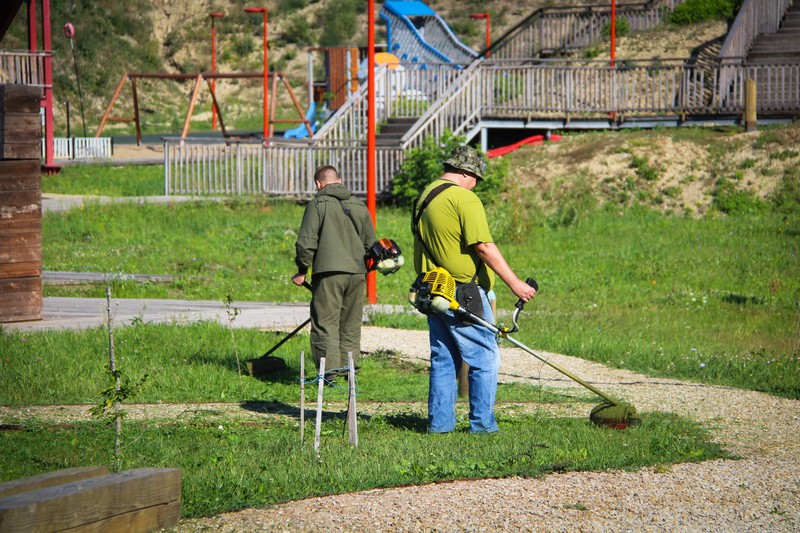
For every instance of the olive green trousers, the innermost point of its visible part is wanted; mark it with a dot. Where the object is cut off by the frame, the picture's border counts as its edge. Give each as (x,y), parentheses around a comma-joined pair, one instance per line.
(337,310)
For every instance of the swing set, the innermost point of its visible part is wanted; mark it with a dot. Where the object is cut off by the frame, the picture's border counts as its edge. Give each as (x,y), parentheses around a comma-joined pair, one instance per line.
(199,78)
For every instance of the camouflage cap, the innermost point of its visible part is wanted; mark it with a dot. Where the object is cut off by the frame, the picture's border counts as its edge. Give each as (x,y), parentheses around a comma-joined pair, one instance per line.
(467,159)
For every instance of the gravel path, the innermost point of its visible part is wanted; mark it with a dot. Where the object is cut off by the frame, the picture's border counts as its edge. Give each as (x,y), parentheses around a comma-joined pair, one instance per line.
(759,492)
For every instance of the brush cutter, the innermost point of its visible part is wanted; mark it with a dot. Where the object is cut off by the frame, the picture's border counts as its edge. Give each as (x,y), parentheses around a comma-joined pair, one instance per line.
(434,291)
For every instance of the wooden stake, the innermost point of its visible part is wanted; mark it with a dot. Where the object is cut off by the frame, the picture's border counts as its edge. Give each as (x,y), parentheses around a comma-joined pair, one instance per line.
(750,105)
(302,396)
(352,419)
(320,388)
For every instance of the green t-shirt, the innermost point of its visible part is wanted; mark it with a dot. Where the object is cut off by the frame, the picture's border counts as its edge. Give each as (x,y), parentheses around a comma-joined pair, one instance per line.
(453,222)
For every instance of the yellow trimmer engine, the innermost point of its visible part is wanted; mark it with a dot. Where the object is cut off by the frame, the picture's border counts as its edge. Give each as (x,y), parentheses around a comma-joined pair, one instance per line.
(434,291)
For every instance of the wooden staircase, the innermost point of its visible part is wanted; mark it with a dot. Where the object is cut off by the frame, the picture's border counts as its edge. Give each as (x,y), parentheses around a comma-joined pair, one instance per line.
(392,131)
(780,47)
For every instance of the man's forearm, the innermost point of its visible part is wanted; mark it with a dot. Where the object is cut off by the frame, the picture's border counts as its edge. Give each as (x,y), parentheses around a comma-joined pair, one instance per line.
(490,254)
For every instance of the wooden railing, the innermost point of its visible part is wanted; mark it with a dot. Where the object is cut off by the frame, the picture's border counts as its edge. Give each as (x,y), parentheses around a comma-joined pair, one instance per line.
(557,29)
(283,167)
(496,90)
(23,67)
(755,16)
(399,94)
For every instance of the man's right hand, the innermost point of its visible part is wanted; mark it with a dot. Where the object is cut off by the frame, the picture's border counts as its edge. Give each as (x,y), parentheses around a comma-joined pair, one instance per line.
(298,279)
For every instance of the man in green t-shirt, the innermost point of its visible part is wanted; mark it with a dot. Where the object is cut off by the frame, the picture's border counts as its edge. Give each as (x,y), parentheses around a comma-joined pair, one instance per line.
(453,234)
(334,237)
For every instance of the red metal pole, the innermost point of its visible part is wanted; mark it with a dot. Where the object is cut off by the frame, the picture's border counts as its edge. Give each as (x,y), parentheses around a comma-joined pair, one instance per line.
(372,290)
(487,17)
(49,155)
(613,30)
(214,66)
(263,11)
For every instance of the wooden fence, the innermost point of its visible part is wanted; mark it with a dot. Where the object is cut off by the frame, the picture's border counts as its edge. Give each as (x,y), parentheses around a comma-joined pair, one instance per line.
(558,29)
(23,67)
(512,90)
(283,167)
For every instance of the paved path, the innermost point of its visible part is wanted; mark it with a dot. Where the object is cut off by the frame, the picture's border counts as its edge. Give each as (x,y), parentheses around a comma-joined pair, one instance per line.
(63,202)
(78,313)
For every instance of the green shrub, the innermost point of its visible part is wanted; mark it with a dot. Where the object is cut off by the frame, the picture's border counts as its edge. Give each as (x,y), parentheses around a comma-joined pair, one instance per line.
(424,164)
(298,31)
(732,201)
(338,20)
(694,11)
(421,166)
(623,28)
(786,198)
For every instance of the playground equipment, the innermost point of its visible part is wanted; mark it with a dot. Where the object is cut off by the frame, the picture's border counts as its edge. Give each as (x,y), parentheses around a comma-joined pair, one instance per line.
(416,33)
(199,78)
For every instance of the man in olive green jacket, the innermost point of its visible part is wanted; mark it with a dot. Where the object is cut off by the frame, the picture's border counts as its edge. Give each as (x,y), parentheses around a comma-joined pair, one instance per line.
(334,237)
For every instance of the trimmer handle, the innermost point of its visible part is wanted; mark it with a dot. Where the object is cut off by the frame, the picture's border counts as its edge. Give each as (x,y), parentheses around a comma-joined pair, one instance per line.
(532,282)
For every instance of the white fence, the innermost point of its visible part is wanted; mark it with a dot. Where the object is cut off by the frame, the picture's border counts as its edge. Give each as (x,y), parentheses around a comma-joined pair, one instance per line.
(81,148)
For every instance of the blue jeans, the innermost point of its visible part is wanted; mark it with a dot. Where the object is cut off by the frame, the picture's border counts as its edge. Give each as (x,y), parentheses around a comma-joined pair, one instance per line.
(451,343)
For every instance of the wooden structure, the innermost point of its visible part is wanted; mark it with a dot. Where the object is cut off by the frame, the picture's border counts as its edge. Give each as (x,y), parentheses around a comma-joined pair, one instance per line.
(92,500)
(20,204)
(199,78)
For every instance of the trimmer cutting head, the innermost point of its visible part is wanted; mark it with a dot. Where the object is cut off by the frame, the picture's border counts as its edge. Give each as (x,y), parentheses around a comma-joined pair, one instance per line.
(617,415)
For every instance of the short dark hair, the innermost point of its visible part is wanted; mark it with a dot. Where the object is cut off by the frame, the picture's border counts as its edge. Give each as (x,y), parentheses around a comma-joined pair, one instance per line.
(326,174)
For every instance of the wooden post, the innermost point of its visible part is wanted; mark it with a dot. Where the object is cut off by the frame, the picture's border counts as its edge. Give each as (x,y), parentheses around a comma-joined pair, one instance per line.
(352,418)
(20,204)
(320,388)
(302,396)
(750,105)
(463,380)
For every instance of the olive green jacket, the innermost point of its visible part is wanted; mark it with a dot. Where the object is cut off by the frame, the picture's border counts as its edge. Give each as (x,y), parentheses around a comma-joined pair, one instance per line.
(328,241)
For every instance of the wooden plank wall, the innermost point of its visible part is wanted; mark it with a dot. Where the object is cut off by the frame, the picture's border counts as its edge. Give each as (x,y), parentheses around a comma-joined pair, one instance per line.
(20,204)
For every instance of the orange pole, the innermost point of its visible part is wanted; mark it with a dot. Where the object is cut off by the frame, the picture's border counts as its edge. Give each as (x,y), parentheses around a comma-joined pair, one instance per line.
(263,11)
(214,65)
(613,30)
(372,290)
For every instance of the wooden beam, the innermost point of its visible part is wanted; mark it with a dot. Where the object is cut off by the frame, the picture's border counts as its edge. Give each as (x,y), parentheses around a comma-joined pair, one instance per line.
(48,479)
(141,500)
(111,105)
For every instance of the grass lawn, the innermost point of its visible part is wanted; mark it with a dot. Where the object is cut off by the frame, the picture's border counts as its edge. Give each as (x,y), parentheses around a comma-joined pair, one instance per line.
(231,463)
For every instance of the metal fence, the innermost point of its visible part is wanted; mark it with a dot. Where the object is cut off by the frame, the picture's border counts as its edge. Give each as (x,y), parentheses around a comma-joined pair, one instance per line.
(23,67)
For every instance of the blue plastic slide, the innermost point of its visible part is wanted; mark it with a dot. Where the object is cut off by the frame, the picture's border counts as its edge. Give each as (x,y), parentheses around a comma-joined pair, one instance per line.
(416,33)
(300,132)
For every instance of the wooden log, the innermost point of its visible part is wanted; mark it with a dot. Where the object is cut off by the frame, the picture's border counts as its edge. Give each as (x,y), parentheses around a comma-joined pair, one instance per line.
(48,479)
(141,500)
